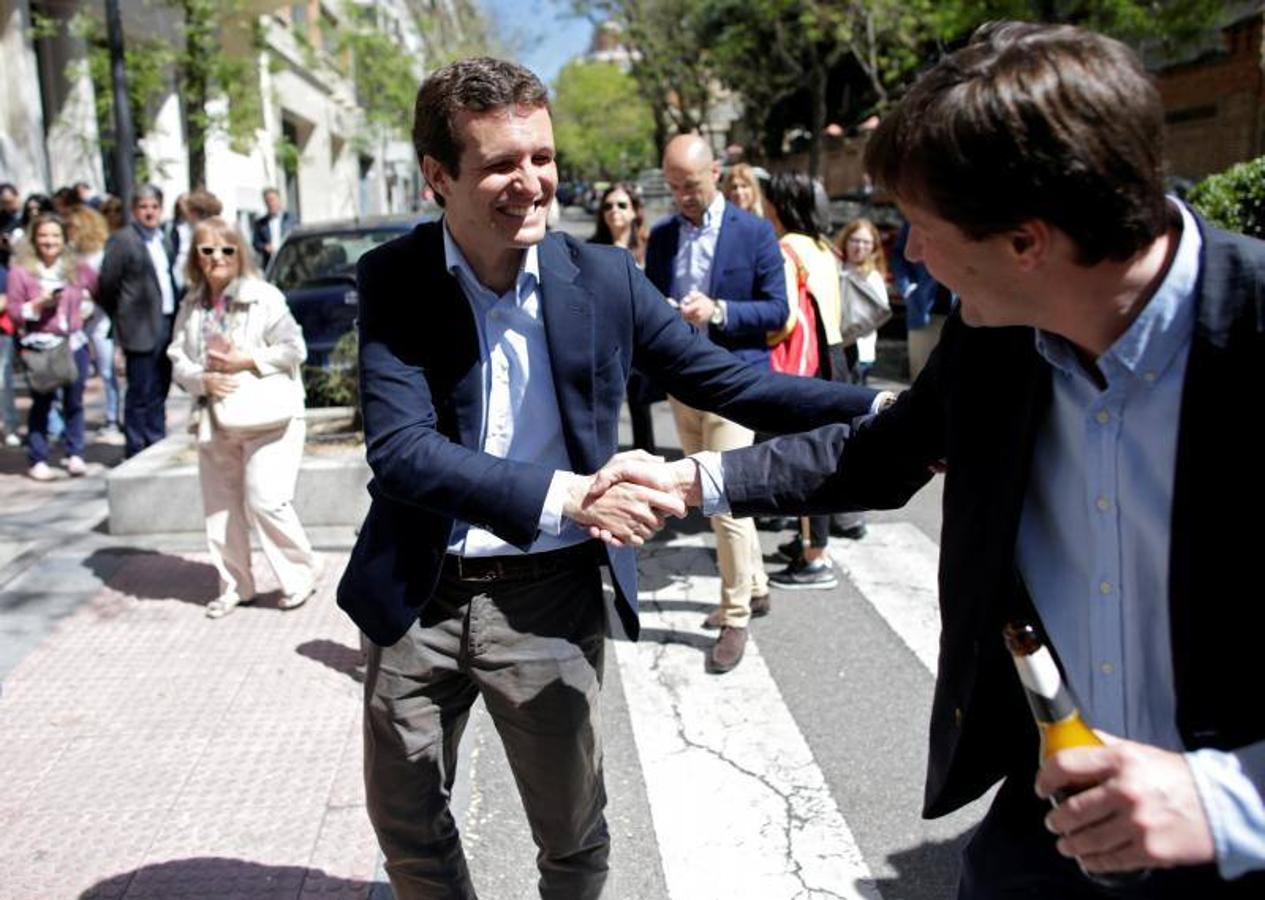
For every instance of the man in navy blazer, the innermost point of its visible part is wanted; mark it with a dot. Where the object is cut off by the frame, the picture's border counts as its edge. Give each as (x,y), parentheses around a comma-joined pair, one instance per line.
(1086,399)
(493,362)
(723,268)
(270,229)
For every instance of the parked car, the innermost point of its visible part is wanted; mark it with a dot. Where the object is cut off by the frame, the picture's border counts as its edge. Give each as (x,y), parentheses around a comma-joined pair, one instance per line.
(316,270)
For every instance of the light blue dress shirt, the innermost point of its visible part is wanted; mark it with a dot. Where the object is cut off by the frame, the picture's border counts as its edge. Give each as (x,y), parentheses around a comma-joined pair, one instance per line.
(521,420)
(1093,546)
(695,250)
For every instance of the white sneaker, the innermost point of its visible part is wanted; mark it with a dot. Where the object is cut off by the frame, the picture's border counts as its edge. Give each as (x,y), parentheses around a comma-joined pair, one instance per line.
(75,466)
(41,472)
(12,440)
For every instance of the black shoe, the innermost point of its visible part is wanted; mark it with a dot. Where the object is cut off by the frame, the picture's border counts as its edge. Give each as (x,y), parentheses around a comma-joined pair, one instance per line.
(776,523)
(855,533)
(791,550)
(802,575)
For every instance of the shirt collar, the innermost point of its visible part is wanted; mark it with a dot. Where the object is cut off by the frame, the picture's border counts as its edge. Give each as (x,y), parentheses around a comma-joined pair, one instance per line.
(711,215)
(1163,327)
(455,262)
(147,234)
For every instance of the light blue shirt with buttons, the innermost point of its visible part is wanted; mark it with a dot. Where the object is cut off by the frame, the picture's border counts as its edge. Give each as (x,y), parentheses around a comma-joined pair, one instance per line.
(695,250)
(517,389)
(1093,547)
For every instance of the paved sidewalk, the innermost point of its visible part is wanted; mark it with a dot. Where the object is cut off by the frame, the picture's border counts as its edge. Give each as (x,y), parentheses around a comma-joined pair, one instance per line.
(151,752)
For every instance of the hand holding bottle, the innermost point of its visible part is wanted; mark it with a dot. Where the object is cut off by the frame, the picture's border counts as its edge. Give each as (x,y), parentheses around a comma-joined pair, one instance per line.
(1143,810)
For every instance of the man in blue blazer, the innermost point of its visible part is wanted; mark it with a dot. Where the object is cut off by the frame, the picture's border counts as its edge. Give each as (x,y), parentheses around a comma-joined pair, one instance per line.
(493,362)
(271,229)
(1087,400)
(722,267)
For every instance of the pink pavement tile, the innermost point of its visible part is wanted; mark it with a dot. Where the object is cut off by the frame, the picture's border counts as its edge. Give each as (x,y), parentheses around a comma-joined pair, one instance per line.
(348,787)
(283,834)
(345,854)
(70,852)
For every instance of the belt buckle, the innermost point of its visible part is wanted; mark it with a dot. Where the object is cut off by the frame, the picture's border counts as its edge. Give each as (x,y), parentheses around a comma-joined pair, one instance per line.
(488,574)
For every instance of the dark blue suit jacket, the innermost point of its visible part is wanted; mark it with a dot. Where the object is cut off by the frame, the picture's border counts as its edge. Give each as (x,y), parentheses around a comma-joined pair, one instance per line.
(260,236)
(747,273)
(422,398)
(979,405)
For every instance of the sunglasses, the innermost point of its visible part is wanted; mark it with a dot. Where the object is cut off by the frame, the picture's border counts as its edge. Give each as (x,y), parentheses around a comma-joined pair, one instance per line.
(207,250)
(615,204)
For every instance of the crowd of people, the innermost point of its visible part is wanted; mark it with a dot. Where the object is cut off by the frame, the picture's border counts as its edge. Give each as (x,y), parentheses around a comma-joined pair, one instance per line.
(183,299)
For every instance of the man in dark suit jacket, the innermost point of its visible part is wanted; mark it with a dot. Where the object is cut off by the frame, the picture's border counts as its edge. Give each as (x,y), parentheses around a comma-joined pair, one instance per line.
(1084,399)
(723,268)
(270,230)
(494,360)
(138,294)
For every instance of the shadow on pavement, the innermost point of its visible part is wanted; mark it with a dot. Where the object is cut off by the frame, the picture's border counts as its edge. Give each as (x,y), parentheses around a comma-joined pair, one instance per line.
(339,657)
(213,876)
(150,575)
(926,872)
(685,638)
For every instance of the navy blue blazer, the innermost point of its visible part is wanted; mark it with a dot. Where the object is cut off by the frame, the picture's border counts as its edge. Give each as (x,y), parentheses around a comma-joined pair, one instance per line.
(422,399)
(979,405)
(747,273)
(260,235)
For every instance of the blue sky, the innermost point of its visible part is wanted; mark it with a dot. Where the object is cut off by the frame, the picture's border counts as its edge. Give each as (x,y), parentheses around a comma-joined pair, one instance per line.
(542,32)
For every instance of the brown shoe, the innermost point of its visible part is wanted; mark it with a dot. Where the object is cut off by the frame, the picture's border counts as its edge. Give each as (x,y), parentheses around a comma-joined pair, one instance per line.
(727,651)
(716,618)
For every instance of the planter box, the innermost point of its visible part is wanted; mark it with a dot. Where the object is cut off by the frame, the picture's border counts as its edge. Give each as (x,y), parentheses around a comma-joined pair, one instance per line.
(157,490)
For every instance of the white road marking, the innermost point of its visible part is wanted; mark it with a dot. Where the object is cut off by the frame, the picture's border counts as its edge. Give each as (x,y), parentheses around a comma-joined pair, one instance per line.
(894,567)
(740,807)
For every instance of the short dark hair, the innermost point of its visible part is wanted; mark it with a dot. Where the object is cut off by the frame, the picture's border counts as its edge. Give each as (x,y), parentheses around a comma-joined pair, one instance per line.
(1049,122)
(147,192)
(203,203)
(793,197)
(7,186)
(270,190)
(478,84)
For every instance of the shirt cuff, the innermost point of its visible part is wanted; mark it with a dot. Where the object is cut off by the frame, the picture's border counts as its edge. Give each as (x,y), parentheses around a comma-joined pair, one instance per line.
(711,477)
(555,500)
(1230,786)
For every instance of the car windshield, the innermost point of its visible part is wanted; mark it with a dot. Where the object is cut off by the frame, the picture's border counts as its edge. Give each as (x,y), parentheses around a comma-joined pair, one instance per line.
(307,261)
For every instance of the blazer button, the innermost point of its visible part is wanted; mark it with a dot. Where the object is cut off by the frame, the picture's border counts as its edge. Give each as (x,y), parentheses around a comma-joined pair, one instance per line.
(958,715)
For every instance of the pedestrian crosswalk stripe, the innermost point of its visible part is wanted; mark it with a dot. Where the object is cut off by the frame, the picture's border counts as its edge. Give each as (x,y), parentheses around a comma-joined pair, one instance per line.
(740,806)
(894,569)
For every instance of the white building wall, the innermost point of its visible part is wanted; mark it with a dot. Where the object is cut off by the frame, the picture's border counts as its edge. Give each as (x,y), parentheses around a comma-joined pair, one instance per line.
(165,150)
(22,157)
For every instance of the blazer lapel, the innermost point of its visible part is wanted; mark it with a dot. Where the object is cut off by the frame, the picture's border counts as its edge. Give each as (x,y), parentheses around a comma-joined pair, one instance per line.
(568,316)
(723,242)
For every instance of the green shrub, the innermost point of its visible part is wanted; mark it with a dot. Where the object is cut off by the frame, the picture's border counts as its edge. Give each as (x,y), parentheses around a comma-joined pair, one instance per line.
(338,384)
(1234,199)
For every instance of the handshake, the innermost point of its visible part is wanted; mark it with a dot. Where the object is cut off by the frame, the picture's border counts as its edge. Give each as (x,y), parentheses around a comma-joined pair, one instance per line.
(632,496)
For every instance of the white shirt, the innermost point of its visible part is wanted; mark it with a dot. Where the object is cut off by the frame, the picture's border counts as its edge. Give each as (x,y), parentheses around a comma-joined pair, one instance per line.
(162,268)
(518,390)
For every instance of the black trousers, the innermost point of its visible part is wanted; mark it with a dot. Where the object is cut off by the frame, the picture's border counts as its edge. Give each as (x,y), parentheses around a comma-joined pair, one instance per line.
(145,403)
(534,650)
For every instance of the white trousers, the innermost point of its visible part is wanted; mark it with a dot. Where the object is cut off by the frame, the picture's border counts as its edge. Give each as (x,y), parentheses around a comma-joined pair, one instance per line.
(249,482)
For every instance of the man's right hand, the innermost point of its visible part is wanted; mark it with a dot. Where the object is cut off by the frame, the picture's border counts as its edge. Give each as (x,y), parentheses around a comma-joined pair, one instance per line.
(677,481)
(626,514)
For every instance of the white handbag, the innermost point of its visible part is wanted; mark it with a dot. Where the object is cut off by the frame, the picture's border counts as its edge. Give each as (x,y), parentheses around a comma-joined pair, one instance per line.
(258,404)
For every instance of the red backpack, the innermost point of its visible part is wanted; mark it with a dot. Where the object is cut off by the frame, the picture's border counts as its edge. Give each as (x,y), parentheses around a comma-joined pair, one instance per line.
(795,351)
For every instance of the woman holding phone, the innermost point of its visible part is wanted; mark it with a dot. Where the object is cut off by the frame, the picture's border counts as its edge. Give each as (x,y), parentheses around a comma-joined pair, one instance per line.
(48,288)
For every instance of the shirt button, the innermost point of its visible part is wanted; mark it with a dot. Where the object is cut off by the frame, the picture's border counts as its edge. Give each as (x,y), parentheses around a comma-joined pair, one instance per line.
(1103,504)
(1107,668)
(1104,587)
(1149,377)
(494,314)
(1103,417)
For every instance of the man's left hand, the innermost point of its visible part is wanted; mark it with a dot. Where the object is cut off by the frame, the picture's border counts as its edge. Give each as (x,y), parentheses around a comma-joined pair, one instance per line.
(231,361)
(697,308)
(1142,812)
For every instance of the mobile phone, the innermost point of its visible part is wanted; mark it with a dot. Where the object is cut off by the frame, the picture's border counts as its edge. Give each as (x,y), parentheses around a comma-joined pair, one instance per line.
(57,291)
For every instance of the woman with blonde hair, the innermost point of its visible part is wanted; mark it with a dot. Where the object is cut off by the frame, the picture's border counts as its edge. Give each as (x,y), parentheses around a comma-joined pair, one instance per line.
(49,287)
(742,189)
(233,332)
(88,231)
(864,269)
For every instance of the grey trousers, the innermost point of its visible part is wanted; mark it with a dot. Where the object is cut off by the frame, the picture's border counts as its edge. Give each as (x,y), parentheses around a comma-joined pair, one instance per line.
(534,650)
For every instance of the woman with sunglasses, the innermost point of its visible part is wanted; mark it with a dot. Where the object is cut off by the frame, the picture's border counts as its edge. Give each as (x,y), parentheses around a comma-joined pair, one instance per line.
(233,322)
(621,221)
(48,287)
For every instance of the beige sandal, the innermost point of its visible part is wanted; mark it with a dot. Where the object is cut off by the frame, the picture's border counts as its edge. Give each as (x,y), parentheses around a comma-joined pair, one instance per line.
(224,604)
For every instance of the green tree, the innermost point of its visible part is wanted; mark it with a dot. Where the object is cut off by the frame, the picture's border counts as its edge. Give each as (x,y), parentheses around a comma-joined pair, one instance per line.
(602,125)
(1234,199)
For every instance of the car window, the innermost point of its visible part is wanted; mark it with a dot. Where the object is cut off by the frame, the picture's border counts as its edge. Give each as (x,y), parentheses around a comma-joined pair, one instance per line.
(307,261)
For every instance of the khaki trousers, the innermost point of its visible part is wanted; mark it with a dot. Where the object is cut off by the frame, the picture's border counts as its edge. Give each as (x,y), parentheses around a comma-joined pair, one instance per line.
(738,553)
(249,482)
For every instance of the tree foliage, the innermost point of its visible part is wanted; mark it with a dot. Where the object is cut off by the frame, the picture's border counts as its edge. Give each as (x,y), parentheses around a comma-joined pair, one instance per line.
(602,125)
(386,79)
(1234,199)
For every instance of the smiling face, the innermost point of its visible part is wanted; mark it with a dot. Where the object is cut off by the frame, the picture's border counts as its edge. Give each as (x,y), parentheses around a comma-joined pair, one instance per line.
(50,240)
(499,203)
(741,194)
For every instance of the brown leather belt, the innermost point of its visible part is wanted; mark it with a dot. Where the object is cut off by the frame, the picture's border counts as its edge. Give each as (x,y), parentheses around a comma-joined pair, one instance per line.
(519,568)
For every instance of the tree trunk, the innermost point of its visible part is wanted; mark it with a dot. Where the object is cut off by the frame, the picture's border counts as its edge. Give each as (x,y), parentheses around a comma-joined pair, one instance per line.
(199,45)
(817,118)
